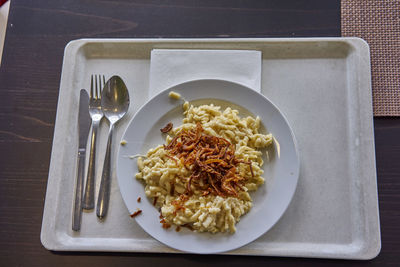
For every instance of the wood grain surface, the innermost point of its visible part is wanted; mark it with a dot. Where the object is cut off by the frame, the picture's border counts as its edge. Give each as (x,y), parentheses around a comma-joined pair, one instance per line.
(37,33)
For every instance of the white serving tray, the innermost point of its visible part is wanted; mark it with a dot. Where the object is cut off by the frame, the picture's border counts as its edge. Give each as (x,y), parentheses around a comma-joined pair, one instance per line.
(323,87)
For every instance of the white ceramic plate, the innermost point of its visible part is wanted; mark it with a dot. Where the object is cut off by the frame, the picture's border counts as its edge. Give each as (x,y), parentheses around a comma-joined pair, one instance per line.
(281,167)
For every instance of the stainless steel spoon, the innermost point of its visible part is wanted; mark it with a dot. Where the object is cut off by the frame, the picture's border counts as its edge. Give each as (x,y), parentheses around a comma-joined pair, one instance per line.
(115,104)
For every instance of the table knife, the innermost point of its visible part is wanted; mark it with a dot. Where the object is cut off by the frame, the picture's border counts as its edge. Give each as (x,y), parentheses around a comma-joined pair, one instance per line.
(83,128)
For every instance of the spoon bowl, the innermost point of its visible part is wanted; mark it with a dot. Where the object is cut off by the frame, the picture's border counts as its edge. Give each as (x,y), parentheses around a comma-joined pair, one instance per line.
(114,99)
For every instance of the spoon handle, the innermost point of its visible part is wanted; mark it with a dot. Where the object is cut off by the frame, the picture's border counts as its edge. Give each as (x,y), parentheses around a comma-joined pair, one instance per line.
(105,185)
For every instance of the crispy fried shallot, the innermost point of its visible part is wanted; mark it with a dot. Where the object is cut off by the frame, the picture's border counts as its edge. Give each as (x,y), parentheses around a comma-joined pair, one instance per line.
(211,160)
(136,213)
(165,225)
(167,127)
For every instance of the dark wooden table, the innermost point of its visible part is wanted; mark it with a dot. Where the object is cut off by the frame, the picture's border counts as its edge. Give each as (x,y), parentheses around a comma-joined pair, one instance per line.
(37,33)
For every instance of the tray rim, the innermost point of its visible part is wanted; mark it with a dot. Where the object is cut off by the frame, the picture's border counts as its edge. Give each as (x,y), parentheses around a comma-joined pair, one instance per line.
(51,240)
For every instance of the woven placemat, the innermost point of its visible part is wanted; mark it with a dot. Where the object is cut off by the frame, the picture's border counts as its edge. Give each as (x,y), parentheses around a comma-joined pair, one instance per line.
(378,22)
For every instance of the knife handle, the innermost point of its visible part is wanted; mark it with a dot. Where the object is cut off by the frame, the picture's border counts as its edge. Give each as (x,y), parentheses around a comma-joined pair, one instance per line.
(88,198)
(77,215)
(105,184)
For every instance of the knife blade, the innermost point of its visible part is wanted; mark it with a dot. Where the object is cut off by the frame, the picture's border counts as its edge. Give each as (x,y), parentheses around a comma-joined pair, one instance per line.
(83,128)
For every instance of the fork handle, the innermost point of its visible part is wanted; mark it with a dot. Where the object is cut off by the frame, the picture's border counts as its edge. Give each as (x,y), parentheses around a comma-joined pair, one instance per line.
(88,199)
(105,185)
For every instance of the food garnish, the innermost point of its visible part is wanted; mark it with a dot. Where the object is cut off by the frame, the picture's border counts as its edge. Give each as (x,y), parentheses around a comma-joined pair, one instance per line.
(136,213)
(167,128)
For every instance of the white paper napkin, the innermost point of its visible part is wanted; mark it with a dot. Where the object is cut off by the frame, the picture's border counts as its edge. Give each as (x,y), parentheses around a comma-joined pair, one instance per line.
(169,67)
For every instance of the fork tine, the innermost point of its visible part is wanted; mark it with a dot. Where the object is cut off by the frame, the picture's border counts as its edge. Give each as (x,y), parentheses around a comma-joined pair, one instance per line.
(91,86)
(104,84)
(100,87)
(97,86)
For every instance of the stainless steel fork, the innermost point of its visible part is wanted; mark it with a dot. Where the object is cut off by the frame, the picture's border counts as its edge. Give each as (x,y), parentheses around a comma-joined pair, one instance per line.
(96,85)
